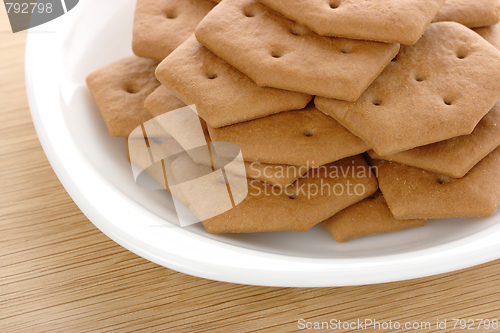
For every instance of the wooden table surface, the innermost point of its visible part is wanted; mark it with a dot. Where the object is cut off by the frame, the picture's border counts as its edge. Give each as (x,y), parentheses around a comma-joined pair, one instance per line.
(58,273)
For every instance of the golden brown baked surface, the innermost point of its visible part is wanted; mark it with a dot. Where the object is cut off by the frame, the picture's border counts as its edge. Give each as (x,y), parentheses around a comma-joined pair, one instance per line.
(222,94)
(366,218)
(277,52)
(120,89)
(491,34)
(305,137)
(471,13)
(300,207)
(454,157)
(162,25)
(413,193)
(389,21)
(437,89)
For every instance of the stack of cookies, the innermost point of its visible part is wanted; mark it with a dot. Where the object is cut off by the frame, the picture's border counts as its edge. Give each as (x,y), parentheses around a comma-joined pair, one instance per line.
(364,117)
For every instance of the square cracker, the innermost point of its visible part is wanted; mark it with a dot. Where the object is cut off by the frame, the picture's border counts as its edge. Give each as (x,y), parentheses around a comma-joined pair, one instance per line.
(162,25)
(389,21)
(304,137)
(413,193)
(435,90)
(120,90)
(456,156)
(368,217)
(163,100)
(471,13)
(222,94)
(310,200)
(277,52)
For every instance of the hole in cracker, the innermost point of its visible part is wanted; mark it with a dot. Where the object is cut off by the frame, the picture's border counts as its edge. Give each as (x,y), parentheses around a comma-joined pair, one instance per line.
(462,54)
(131,89)
(345,49)
(308,133)
(211,76)
(297,31)
(334,4)
(377,102)
(420,78)
(292,197)
(249,12)
(448,101)
(276,54)
(443,179)
(170,15)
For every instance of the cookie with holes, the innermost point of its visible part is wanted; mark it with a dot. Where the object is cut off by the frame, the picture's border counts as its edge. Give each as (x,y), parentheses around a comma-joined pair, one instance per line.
(277,52)
(454,157)
(366,218)
(162,101)
(120,89)
(222,94)
(388,21)
(413,193)
(162,25)
(472,14)
(320,194)
(435,90)
(303,137)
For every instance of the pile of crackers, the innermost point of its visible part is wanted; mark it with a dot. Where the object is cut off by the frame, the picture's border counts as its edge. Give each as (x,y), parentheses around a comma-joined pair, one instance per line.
(365,117)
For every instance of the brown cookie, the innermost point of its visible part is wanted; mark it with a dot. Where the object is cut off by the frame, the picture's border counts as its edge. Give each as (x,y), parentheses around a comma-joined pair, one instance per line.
(162,101)
(437,89)
(162,25)
(222,95)
(389,21)
(305,137)
(413,193)
(491,34)
(277,52)
(120,90)
(471,13)
(456,156)
(310,200)
(368,217)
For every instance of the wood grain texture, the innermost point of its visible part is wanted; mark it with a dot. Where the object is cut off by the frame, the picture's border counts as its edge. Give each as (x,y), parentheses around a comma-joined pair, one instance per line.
(58,273)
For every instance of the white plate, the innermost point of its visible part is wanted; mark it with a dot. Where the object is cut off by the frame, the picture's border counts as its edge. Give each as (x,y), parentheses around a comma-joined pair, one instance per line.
(94,169)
